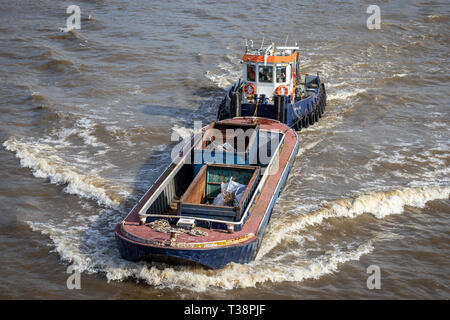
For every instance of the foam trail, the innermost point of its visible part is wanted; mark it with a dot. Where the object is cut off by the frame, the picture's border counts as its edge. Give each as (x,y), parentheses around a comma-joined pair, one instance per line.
(226,76)
(379,204)
(91,246)
(344,94)
(87,133)
(106,260)
(308,146)
(44,162)
(182,132)
(247,275)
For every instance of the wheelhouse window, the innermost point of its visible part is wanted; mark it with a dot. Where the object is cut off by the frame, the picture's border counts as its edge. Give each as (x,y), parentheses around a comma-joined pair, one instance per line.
(251,69)
(265,74)
(281,74)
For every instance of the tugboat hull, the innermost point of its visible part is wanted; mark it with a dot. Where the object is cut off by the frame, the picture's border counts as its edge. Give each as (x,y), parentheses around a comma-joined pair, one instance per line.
(298,115)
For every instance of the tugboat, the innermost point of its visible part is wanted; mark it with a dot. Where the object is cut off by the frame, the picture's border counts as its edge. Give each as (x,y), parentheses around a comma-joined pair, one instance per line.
(211,205)
(273,87)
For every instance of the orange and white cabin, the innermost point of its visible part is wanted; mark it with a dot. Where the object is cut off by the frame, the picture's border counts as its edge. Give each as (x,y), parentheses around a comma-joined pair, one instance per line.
(272,86)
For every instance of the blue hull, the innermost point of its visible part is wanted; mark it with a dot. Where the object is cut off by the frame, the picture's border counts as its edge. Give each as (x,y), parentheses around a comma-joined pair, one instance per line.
(210,258)
(299,114)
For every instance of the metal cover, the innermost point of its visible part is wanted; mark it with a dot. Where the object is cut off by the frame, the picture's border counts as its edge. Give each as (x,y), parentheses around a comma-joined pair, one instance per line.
(186,223)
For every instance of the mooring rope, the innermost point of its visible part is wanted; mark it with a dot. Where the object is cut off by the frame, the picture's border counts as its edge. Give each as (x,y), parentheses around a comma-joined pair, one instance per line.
(164,226)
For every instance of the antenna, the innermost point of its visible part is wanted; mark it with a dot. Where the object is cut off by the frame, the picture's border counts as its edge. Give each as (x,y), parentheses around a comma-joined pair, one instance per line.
(262,43)
(266,53)
(285,44)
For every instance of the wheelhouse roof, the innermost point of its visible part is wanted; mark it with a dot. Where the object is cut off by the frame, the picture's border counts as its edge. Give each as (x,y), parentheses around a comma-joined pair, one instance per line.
(270,59)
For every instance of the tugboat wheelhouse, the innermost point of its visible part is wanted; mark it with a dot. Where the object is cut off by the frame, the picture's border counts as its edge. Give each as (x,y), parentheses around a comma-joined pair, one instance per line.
(273,87)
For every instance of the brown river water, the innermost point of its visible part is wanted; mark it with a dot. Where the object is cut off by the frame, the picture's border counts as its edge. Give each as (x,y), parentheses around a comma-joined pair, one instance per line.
(88,118)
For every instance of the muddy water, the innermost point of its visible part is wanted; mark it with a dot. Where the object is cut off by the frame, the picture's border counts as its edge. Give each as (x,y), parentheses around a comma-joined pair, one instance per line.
(87,119)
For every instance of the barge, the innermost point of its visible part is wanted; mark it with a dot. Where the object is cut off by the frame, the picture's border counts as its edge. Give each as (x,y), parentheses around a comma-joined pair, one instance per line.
(184,217)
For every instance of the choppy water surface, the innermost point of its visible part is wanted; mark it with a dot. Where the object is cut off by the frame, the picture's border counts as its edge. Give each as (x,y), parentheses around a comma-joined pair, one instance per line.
(87,118)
